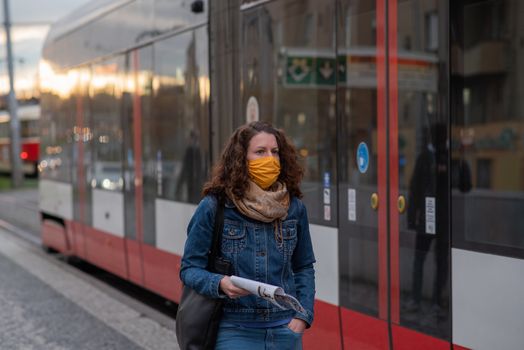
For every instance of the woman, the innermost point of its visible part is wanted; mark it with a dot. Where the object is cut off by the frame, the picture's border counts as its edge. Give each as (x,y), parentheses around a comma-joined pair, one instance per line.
(266,238)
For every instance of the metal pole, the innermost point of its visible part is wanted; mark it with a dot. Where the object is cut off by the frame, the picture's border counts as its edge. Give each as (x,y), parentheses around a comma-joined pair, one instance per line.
(17,177)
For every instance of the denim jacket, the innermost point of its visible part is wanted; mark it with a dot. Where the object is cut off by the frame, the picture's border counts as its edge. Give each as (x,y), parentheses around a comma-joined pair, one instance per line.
(254,252)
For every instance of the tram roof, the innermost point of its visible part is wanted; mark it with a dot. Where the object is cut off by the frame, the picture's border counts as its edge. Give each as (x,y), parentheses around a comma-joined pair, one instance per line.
(81,16)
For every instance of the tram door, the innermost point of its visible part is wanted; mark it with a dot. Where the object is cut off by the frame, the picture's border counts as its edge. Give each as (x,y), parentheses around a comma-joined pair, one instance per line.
(393,166)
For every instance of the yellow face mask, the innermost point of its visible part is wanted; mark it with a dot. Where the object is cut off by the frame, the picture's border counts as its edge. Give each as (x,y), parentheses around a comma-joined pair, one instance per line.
(264,171)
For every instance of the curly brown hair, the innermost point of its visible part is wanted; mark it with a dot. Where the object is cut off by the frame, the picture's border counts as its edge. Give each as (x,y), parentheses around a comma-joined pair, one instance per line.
(231,170)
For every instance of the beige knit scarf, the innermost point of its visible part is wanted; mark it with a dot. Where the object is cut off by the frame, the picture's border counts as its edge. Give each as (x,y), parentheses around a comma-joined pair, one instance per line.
(265,206)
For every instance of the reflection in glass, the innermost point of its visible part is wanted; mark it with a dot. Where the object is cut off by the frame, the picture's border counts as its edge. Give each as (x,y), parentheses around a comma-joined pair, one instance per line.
(423,169)
(178,144)
(288,65)
(56,136)
(136,109)
(84,136)
(357,106)
(175,14)
(106,92)
(487,136)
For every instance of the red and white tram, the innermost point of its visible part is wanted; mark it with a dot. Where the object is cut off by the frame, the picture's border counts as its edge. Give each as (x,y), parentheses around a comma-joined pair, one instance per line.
(407,114)
(29,116)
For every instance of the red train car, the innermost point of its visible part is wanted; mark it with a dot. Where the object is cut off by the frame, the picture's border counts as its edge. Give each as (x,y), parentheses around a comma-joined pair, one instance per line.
(407,116)
(28,116)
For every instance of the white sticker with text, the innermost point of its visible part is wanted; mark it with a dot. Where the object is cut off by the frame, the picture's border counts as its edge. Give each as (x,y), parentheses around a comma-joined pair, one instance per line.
(352,204)
(430,215)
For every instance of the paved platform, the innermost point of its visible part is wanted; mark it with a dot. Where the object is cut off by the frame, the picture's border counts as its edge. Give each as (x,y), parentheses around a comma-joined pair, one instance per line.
(20,208)
(45,306)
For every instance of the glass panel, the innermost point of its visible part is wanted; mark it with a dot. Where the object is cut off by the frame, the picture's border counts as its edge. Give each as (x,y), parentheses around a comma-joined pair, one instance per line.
(83,139)
(77,130)
(73,49)
(56,126)
(124,27)
(488,127)
(178,143)
(86,136)
(176,14)
(423,156)
(4,128)
(288,65)
(129,144)
(106,93)
(142,71)
(137,104)
(357,106)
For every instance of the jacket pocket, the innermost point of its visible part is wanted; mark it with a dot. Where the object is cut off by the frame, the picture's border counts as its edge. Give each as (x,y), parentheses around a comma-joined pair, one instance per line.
(233,237)
(289,236)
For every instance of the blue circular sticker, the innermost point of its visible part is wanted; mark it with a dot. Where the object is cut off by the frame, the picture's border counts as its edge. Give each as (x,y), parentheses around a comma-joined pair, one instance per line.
(362,157)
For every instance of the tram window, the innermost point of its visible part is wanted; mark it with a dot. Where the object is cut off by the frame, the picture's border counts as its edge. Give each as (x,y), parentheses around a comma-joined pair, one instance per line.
(487,126)
(135,20)
(82,194)
(29,128)
(422,170)
(56,134)
(484,173)
(137,94)
(180,145)
(62,54)
(288,65)
(105,95)
(4,129)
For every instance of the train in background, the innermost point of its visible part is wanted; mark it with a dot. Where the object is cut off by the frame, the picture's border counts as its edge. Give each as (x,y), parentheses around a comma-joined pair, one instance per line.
(406,117)
(29,116)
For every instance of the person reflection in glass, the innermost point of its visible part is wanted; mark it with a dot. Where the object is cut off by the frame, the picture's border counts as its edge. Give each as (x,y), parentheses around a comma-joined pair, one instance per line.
(430,164)
(461,172)
(190,180)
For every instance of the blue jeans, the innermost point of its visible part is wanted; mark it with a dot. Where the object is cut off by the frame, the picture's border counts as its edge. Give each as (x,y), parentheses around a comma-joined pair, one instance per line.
(233,337)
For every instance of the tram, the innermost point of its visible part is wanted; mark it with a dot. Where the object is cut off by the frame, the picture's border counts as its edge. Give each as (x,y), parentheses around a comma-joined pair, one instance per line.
(406,114)
(29,116)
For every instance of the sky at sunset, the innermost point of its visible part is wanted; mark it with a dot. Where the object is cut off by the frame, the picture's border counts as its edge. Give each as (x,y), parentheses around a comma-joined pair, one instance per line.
(30,23)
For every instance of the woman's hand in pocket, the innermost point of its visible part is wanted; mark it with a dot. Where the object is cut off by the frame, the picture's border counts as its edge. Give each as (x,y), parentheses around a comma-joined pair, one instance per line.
(297,325)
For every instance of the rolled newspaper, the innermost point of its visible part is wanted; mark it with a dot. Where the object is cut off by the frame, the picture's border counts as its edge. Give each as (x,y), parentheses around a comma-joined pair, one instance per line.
(269,292)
